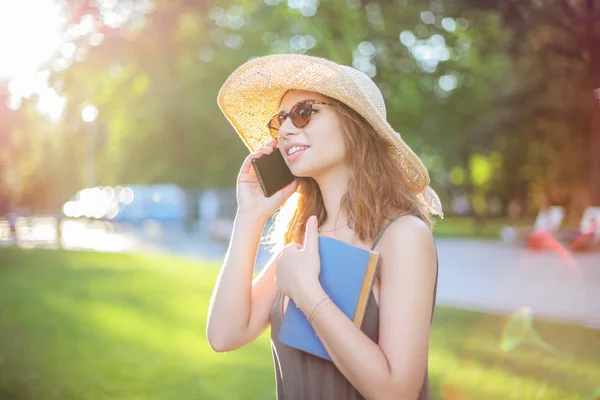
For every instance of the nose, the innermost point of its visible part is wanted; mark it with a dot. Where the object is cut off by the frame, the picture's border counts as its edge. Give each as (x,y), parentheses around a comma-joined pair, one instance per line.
(287,129)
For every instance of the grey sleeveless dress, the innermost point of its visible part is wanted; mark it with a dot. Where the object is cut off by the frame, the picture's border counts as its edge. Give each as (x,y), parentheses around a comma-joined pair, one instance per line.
(300,375)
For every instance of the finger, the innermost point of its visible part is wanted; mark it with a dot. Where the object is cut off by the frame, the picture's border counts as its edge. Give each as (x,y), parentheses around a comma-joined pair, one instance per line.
(247,165)
(286,191)
(311,235)
(293,245)
(257,154)
(289,189)
(265,149)
(273,144)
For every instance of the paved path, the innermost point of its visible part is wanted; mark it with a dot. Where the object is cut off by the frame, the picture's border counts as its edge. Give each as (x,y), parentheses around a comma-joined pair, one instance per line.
(492,276)
(474,274)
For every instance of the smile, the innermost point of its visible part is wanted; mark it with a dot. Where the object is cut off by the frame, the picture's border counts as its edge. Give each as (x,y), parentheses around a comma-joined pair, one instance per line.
(295,152)
(296,149)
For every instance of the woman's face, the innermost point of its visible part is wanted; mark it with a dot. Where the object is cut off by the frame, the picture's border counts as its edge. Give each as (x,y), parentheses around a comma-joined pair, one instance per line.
(321,141)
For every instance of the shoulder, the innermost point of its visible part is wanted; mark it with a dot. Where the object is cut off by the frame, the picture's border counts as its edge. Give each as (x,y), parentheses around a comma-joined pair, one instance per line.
(410,240)
(407,228)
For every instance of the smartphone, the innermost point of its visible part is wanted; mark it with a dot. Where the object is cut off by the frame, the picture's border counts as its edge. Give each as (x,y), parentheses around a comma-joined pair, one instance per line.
(272,172)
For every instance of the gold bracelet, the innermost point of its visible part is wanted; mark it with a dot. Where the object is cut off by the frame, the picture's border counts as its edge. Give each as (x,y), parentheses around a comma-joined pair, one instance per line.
(317,306)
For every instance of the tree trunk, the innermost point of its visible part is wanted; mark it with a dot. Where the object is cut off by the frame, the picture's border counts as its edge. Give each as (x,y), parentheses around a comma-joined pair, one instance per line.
(594,80)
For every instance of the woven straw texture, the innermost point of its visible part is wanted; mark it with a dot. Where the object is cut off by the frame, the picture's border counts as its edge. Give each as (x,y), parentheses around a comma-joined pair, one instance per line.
(253,92)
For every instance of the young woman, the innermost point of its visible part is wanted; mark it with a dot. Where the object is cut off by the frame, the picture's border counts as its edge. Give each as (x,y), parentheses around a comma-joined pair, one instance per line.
(356,180)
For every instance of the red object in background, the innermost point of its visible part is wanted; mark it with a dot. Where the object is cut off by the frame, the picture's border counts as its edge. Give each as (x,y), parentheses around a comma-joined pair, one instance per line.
(585,240)
(540,240)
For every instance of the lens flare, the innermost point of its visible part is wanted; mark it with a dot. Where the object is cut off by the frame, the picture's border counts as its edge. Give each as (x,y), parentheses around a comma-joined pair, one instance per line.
(519,330)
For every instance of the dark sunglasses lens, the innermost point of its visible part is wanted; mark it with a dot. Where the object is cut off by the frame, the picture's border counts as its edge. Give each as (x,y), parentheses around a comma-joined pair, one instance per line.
(301,113)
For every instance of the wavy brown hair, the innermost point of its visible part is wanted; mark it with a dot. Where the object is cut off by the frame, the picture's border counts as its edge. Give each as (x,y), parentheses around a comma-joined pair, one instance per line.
(377,186)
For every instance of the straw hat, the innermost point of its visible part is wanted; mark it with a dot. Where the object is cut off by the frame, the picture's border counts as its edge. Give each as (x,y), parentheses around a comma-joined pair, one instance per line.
(253,92)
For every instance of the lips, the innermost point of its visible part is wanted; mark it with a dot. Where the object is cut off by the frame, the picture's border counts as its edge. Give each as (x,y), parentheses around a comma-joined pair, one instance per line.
(294,150)
(294,156)
(289,146)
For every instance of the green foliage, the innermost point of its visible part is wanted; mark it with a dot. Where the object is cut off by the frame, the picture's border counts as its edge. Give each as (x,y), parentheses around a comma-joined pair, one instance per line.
(461,81)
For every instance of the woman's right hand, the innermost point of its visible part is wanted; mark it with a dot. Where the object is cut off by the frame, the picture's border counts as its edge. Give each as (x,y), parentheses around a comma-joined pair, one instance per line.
(250,197)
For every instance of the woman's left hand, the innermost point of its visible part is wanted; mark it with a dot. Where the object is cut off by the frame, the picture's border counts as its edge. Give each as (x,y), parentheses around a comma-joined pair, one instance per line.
(298,266)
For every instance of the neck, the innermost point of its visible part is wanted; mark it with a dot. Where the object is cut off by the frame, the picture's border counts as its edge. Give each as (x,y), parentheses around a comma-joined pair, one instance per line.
(333,186)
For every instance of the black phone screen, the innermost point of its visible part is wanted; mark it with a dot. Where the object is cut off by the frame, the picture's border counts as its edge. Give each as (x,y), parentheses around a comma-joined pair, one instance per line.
(272,172)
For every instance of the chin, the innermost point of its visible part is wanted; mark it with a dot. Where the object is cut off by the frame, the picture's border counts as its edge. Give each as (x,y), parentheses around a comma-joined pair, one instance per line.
(302,172)
(310,168)
(307,171)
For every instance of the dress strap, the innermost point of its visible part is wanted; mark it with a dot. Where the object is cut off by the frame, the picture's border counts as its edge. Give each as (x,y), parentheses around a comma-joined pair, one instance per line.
(380,233)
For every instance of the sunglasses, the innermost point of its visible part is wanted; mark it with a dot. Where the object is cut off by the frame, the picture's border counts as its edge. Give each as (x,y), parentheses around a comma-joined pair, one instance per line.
(300,115)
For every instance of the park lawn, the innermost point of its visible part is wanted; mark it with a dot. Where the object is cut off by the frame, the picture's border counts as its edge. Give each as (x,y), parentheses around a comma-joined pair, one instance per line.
(84,325)
(466,227)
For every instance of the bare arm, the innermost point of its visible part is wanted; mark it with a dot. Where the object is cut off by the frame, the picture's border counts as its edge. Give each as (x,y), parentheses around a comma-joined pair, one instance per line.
(240,307)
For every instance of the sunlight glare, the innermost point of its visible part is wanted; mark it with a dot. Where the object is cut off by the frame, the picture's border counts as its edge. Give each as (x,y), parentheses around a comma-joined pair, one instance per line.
(30,33)
(51,104)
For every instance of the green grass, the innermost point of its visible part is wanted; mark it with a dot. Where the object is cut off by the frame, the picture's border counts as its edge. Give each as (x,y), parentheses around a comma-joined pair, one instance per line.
(466,227)
(105,326)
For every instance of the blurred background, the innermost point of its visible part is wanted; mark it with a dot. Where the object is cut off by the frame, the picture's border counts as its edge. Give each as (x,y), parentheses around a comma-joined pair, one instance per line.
(117,186)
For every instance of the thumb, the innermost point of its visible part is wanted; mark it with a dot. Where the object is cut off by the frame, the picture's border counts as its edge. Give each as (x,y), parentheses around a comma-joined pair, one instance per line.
(311,237)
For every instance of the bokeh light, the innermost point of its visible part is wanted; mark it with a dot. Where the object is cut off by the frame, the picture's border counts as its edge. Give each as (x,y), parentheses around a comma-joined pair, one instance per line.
(89,112)
(28,39)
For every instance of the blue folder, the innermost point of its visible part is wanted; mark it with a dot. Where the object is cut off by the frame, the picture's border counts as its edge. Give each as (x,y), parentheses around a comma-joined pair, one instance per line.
(347,276)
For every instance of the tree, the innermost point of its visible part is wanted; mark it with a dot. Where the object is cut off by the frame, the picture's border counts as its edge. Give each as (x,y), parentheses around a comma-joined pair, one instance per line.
(453,89)
(558,45)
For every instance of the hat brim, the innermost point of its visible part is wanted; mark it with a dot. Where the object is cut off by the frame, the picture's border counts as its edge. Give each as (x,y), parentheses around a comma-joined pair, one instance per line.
(252,94)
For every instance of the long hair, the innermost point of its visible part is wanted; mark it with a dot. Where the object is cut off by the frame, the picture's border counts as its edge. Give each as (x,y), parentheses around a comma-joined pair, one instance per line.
(377,185)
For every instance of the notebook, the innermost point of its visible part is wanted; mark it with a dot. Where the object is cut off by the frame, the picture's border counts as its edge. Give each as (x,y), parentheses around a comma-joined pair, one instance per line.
(347,275)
